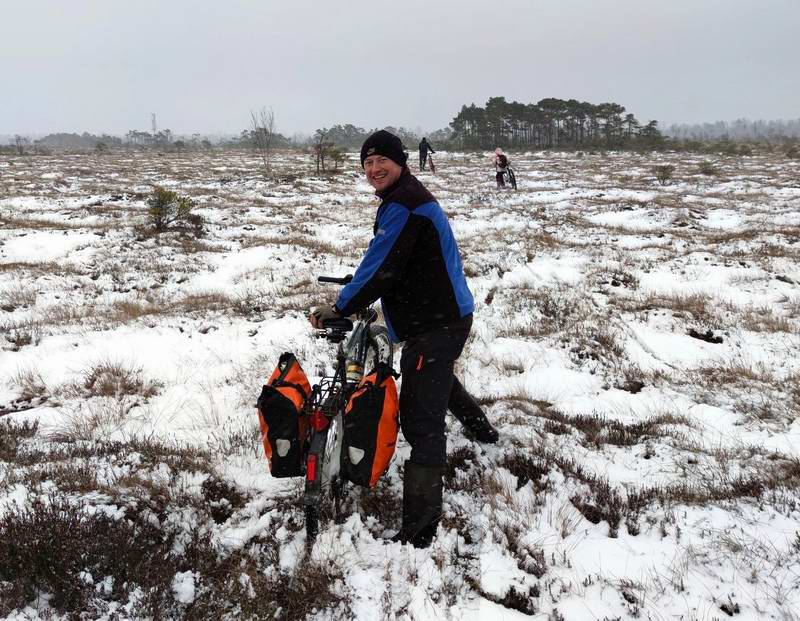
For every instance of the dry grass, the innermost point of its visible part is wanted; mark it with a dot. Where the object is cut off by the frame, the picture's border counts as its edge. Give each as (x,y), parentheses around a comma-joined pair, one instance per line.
(21,296)
(695,306)
(30,383)
(731,372)
(48,224)
(594,340)
(764,319)
(113,378)
(750,388)
(598,430)
(546,310)
(719,238)
(36,268)
(316,246)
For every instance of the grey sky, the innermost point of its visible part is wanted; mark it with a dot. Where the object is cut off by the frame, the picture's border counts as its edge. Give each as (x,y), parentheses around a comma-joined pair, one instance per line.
(104,65)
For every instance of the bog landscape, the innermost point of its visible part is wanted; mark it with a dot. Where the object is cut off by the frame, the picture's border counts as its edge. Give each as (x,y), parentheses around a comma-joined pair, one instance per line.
(636,342)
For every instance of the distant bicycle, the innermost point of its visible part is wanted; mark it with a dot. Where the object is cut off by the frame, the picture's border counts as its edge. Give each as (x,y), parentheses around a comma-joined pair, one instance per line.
(431,164)
(511,177)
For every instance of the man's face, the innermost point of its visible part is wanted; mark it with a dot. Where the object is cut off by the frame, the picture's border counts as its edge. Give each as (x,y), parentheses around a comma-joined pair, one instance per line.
(381,171)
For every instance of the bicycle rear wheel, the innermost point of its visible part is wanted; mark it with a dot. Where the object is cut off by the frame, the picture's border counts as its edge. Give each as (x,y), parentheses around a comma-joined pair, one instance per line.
(327,507)
(323,484)
(312,524)
(512,179)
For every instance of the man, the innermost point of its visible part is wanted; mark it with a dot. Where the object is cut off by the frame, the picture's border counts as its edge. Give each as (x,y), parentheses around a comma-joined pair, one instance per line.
(424,147)
(413,265)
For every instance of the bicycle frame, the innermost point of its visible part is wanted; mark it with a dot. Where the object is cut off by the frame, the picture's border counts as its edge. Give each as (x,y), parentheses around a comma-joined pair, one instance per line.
(325,411)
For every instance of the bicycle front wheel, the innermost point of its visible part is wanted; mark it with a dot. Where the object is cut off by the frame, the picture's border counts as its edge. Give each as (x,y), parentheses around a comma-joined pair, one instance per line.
(380,348)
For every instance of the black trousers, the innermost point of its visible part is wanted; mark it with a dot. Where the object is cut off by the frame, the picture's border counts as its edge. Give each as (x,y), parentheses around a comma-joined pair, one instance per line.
(427,388)
(423,158)
(501,182)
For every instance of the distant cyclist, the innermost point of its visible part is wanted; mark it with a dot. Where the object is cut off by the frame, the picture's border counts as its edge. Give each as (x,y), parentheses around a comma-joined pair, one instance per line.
(424,147)
(500,166)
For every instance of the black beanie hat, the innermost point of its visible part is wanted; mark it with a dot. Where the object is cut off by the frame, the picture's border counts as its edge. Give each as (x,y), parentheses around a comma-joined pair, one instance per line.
(386,144)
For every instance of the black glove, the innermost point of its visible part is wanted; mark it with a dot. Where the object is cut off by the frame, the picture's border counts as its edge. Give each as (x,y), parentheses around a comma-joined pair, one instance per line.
(321,314)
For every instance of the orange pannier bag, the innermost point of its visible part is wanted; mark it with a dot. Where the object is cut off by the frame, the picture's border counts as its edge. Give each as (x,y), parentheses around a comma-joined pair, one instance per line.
(370,428)
(280,415)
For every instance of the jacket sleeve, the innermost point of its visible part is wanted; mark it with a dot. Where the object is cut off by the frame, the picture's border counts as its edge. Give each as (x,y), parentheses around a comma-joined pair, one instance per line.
(430,148)
(383,263)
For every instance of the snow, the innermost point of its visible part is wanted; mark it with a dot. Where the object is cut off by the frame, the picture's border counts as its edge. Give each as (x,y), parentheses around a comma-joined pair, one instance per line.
(43,246)
(204,321)
(184,586)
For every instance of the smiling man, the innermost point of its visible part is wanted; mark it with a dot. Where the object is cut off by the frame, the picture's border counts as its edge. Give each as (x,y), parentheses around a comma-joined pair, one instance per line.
(413,265)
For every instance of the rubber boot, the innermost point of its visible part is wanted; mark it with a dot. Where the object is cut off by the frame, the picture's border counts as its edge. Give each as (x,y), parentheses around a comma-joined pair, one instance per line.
(422,504)
(463,406)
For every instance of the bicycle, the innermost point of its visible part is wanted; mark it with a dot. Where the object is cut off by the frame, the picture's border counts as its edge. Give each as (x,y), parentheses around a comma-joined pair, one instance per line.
(431,165)
(368,343)
(512,179)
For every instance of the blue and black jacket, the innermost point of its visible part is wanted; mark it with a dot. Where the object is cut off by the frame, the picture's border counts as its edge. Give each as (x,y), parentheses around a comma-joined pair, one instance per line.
(412,264)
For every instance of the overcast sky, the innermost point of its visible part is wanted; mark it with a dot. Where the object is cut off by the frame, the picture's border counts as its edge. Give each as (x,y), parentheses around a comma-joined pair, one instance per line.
(202,65)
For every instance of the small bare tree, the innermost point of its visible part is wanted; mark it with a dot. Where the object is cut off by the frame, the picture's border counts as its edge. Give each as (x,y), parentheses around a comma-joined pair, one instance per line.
(20,142)
(321,148)
(263,124)
(663,173)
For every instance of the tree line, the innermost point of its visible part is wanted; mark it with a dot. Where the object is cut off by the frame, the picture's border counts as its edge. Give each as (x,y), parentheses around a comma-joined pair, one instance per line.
(550,123)
(740,129)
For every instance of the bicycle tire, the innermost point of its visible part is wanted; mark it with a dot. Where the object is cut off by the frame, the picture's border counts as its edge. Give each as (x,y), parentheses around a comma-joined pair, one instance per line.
(312,524)
(323,498)
(327,508)
(380,348)
(512,179)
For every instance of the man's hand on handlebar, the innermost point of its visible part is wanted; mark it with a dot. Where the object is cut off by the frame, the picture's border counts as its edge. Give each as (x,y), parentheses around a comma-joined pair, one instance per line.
(321,314)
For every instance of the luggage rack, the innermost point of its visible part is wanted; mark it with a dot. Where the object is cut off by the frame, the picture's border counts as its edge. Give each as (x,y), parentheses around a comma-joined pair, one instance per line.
(327,397)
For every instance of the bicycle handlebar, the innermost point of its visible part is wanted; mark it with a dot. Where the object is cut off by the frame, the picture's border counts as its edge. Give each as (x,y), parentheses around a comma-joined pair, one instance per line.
(336,281)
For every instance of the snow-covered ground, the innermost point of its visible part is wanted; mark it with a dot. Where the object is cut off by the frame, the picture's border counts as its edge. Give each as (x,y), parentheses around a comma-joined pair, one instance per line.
(638,346)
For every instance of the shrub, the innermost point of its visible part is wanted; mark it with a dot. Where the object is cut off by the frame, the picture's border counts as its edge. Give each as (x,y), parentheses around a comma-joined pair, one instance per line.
(338,156)
(116,379)
(663,173)
(792,152)
(57,548)
(168,209)
(12,435)
(47,547)
(707,168)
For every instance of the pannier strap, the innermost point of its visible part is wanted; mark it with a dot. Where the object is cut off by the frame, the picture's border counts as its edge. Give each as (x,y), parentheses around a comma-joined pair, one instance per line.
(286,362)
(382,372)
(297,387)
